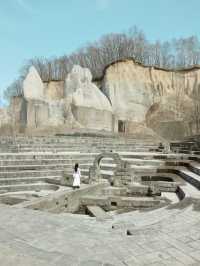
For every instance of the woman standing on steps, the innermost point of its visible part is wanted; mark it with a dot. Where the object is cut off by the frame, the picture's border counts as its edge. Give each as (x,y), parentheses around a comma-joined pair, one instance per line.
(77,177)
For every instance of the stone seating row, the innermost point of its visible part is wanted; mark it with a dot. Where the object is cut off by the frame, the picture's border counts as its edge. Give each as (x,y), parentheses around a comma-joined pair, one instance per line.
(74,144)
(51,159)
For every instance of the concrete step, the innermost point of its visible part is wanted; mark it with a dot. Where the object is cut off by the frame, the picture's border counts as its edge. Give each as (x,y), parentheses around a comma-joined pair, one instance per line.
(79,144)
(68,161)
(78,156)
(38,167)
(28,187)
(185,173)
(141,162)
(106,162)
(47,155)
(28,180)
(31,173)
(98,212)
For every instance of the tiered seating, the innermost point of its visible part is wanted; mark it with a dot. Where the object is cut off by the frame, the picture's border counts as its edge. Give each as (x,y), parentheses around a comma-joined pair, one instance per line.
(37,163)
(32,164)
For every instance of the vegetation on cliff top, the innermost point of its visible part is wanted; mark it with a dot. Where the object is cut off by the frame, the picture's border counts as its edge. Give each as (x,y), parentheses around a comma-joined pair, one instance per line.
(177,53)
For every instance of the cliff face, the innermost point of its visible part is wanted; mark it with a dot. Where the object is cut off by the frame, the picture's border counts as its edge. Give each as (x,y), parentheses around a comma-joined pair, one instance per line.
(153,97)
(135,99)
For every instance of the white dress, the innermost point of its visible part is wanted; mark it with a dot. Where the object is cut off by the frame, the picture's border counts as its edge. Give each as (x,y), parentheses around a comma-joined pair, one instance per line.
(77,178)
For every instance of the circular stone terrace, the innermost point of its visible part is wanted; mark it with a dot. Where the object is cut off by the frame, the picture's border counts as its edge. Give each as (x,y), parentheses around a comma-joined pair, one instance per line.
(138,204)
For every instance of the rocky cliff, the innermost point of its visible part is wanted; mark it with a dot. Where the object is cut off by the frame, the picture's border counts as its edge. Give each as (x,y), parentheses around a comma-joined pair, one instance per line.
(160,99)
(129,98)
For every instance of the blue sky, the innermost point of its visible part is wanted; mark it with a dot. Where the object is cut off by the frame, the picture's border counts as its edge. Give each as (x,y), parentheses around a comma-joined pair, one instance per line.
(31,28)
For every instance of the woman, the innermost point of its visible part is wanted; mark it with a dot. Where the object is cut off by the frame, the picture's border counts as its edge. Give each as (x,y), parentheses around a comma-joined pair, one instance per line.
(77,177)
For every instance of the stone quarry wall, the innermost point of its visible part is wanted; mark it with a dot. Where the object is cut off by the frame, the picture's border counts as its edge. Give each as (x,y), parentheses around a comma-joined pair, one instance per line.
(155,98)
(129,98)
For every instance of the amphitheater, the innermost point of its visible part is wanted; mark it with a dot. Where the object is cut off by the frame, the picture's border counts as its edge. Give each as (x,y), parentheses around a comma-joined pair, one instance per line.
(149,217)
(139,200)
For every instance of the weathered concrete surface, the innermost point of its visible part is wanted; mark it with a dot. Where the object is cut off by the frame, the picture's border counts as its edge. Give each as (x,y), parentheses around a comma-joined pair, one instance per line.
(160,237)
(166,236)
(63,201)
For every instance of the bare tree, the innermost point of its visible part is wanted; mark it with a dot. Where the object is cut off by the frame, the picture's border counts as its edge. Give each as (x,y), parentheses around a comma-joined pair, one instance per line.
(178,53)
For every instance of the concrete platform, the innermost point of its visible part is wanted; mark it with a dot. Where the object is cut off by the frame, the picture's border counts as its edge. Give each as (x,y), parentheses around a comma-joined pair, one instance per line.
(160,237)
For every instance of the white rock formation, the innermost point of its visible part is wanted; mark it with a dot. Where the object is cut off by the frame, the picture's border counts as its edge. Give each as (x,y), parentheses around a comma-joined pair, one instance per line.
(33,86)
(90,106)
(79,86)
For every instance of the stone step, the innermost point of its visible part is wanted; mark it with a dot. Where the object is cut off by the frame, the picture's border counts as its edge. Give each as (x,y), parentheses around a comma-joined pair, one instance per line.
(188,191)
(45,155)
(28,187)
(98,212)
(78,155)
(45,162)
(28,180)
(73,139)
(185,173)
(43,140)
(100,150)
(106,162)
(31,173)
(141,162)
(80,159)
(79,144)
(38,167)
(191,165)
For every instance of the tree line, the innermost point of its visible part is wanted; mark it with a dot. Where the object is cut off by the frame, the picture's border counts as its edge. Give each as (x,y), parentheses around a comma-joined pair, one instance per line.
(173,54)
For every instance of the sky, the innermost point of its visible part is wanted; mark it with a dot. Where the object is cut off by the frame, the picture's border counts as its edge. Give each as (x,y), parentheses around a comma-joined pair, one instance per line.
(48,28)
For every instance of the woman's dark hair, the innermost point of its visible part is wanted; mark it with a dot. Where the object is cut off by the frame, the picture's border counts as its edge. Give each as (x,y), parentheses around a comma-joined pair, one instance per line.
(76,167)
